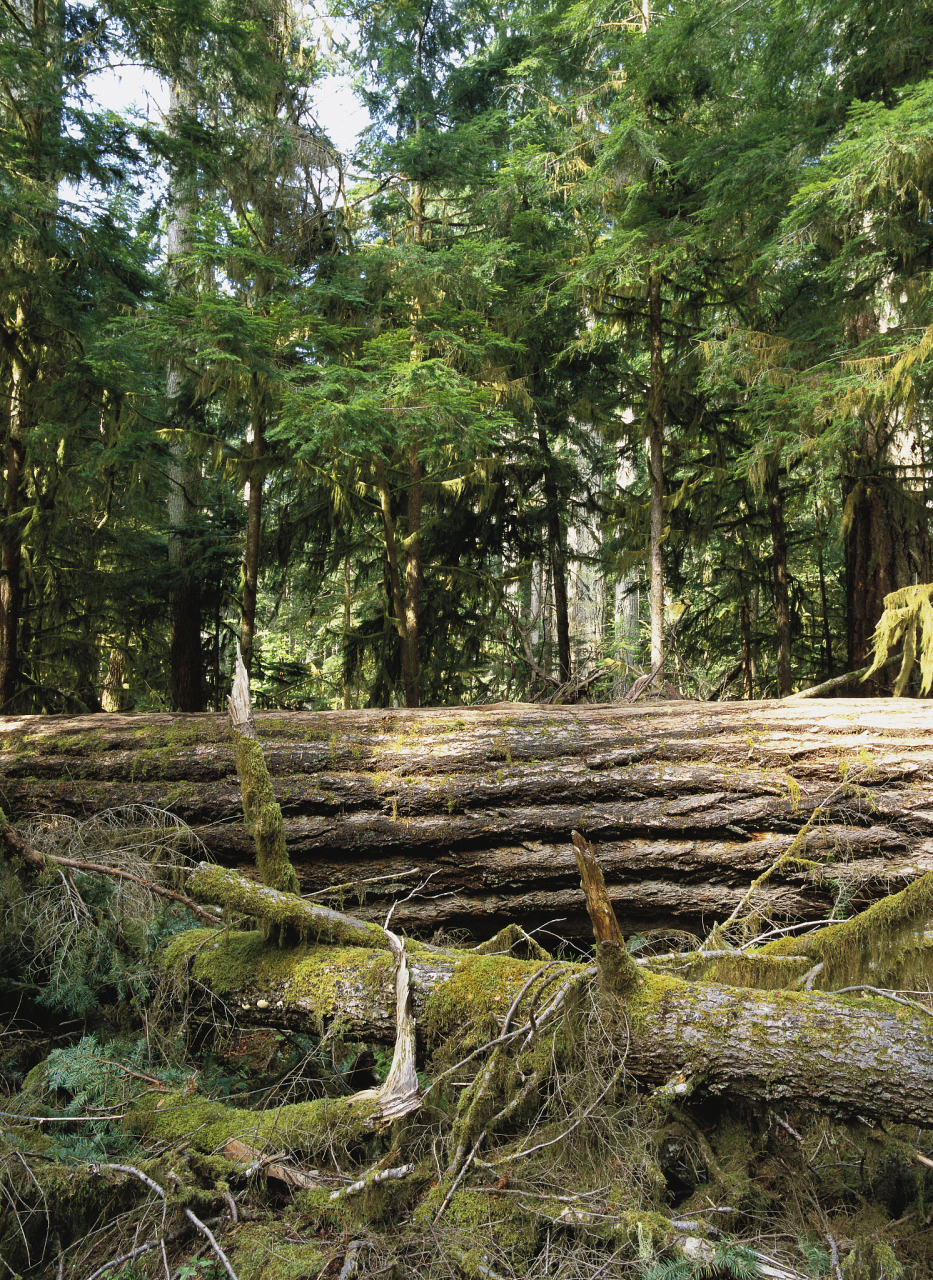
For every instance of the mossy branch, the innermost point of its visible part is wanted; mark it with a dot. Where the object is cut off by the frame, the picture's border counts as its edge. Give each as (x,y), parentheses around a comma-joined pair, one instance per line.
(282,912)
(884,944)
(261,810)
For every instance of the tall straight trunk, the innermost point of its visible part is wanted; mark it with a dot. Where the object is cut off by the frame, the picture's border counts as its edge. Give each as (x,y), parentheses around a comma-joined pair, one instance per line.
(11,551)
(557,556)
(827,636)
(395,582)
(413,569)
(779,568)
(253,536)
(656,467)
(36,124)
(887,546)
(347,621)
(745,627)
(186,680)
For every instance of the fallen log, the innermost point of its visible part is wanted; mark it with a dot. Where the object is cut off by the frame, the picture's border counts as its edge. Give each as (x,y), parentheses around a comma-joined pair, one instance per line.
(688,802)
(842,1054)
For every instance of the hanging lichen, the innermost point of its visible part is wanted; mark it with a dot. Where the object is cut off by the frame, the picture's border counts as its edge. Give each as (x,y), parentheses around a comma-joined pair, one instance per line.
(907,617)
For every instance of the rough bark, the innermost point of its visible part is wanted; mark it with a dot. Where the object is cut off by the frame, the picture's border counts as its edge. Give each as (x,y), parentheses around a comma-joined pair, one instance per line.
(558,557)
(253,534)
(851,1056)
(395,580)
(656,467)
(688,802)
(887,546)
(11,552)
(187,685)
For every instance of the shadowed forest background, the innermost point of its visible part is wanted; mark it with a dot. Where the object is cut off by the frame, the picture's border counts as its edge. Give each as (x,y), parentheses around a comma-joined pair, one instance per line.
(616,326)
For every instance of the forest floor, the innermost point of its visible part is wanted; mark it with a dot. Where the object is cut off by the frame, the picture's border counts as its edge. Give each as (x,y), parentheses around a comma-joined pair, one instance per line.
(190,1095)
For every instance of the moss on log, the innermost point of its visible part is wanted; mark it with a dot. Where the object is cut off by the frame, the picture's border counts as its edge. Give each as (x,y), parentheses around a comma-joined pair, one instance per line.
(843,1054)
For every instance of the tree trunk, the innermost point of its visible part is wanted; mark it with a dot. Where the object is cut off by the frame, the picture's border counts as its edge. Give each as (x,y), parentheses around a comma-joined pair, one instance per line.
(779,567)
(887,546)
(688,802)
(413,572)
(558,558)
(809,1049)
(656,468)
(253,536)
(395,581)
(11,552)
(186,677)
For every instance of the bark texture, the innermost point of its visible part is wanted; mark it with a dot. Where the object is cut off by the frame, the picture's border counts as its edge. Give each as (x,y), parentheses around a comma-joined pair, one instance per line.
(851,1056)
(687,802)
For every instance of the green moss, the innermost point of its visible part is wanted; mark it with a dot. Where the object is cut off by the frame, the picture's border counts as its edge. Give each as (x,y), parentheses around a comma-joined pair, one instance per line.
(486,1219)
(290,919)
(259,1251)
(264,817)
(313,978)
(647,1001)
(753,969)
(479,988)
(310,1129)
(881,946)
(644,1233)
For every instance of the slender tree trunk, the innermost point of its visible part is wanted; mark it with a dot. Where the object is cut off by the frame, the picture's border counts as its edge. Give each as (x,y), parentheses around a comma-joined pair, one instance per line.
(398,604)
(779,567)
(827,636)
(253,538)
(748,687)
(187,683)
(11,552)
(347,622)
(656,469)
(413,570)
(557,556)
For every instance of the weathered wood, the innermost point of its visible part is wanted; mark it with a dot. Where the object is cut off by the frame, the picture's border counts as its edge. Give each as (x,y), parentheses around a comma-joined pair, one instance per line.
(688,802)
(605,926)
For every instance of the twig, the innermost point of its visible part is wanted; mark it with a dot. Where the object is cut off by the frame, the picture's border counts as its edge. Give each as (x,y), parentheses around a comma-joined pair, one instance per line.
(888,995)
(358,884)
(141,1249)
(834,1255)
(193,1218)
(34,857)
(784,1125)
(527,1151)
(372,1180)
(351,1260)
(839,682)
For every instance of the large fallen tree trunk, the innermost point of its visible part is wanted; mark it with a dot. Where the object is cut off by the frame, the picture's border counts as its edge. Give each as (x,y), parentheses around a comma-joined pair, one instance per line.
(837,1053)
(689,802)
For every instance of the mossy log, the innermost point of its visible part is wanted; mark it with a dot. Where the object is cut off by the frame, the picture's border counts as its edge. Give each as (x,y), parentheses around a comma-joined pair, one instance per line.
(843,1054)
(688,802)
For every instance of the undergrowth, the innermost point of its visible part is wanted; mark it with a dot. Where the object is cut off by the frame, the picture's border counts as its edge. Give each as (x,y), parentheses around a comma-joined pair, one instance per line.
(133,1096)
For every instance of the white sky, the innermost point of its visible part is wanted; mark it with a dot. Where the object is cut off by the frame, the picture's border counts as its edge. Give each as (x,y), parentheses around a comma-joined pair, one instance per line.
(337,110)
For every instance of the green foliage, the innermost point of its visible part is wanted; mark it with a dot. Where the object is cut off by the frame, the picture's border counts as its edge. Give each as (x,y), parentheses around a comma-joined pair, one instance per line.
(726,1261)
(92,1082)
